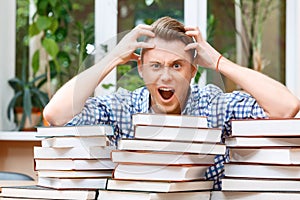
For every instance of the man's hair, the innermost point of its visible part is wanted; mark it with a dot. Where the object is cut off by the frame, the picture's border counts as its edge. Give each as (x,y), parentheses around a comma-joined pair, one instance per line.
(170,29)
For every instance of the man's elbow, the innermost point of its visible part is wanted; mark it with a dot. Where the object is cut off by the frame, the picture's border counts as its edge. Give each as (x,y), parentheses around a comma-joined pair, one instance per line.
(52,117)
(291,109)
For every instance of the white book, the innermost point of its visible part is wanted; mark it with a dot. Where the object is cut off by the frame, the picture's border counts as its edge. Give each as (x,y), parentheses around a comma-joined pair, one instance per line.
(155,157)
(74,164)
(268,185)
(159,172)
(265,155)
(84,130)
(72,183)
(247,170)
(178,133)
(122,195)
(73,152)
(159,186)
(169,120)
(34,191)
(262,141)
(252,195)
(74,141)
(172,146)
(74,174)
(266,127)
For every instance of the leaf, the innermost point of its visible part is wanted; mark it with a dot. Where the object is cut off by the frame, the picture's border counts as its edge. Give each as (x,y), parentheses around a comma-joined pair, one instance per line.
(63,59)
(43,23)
(27,104)
(50,46)
(107,86)
(40,96)
(36,61)
(33,30)
(16,83)
(12,103)
(61,34)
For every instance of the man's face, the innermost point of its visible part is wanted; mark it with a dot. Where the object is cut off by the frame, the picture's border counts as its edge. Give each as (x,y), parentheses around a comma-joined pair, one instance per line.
(167,72)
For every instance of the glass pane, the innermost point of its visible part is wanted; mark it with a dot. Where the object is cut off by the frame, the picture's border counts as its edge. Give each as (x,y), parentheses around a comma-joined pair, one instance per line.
(133,12)
(74,32)
(269,33)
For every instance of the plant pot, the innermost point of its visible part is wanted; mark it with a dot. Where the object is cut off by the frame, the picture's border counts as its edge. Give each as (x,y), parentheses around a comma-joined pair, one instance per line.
(36,117)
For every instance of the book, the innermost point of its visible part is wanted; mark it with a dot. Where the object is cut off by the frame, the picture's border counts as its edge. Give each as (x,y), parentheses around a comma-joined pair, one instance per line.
(288,155)
(178,133)
(253,195)
(84,130)
(73,152)
(155,157)
(35,191)
(172,146)
(124,195)
(268,185)
(159,172)
(74,164)
(74,141)
(247,170)
(262,142)
(266,127)
(75,174)
(169,120)
(159,186)
(72,183)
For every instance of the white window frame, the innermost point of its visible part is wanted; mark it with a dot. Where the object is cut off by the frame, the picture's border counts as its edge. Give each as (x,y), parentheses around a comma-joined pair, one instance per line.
(106,15)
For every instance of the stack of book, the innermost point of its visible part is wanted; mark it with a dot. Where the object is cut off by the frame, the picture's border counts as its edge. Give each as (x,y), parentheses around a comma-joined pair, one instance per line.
(264,160)
(71,163)
(167,159)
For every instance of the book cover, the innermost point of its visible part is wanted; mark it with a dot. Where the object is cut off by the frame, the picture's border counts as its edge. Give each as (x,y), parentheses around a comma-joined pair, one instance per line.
(160,157)
(84,130)
(159,172)
(73,152)
(253,195)
(169,120)
(35,191)
(159,186)
(122,195)
(248,170)
(75,174)
(262,142)
(172,146)
(283,155)
(268,185)
(74,141)
(266,127)
(72,183)
(74,164)
(178,133)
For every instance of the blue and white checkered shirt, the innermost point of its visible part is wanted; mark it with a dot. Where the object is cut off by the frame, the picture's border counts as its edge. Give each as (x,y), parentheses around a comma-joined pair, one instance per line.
(210,101)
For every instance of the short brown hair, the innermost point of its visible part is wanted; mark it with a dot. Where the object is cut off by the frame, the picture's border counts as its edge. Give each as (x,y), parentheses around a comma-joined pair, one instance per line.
(170,29)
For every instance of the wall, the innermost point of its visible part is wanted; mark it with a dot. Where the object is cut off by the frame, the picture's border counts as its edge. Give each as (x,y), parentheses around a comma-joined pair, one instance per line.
(7,57)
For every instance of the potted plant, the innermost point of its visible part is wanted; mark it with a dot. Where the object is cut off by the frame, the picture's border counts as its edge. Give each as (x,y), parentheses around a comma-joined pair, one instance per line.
(28,101)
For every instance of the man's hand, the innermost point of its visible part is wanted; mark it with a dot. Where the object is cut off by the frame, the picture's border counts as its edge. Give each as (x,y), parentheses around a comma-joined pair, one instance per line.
(207,56)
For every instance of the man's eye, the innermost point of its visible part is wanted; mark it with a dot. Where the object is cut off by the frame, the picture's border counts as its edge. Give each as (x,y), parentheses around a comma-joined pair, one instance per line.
(155,66)
(176,66)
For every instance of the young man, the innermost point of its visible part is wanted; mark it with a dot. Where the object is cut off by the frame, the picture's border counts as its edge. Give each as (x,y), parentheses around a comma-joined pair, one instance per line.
(167,64)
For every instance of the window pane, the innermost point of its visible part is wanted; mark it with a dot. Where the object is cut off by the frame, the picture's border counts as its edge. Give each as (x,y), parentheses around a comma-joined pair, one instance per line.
(133,12)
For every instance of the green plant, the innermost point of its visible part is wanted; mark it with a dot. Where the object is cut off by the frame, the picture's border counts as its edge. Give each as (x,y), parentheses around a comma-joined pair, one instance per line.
(51,21)
(27,95)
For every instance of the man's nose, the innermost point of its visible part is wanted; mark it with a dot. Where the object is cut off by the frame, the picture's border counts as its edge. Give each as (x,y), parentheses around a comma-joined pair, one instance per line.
(166,74)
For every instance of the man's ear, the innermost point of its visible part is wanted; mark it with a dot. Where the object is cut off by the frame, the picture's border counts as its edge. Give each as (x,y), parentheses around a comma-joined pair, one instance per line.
(194,70)
(139,62)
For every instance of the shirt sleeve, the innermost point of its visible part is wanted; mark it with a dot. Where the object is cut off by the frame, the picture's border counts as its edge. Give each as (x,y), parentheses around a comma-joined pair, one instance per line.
(236,105)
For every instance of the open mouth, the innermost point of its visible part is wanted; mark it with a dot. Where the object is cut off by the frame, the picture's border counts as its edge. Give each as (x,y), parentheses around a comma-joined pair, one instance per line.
(166,93)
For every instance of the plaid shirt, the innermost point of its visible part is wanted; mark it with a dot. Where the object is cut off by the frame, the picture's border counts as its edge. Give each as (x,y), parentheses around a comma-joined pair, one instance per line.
(219,108)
